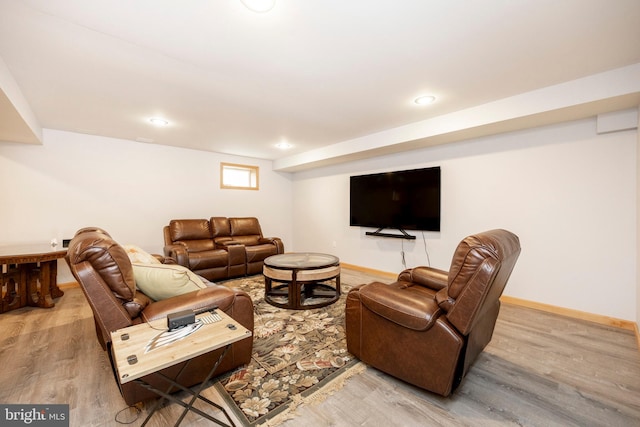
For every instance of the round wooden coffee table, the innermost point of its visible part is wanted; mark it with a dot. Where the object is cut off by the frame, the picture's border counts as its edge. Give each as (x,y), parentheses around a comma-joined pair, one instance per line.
(305,280)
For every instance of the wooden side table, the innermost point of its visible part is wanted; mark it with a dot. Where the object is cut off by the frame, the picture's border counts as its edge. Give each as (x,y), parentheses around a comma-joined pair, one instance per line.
(28,275)
(135,357)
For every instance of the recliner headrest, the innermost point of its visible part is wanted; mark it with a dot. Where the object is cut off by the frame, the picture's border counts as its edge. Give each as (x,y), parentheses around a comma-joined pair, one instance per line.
(107,258)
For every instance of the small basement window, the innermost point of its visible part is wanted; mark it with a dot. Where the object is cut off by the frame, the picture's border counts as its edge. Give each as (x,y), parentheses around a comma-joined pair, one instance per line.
(238,177)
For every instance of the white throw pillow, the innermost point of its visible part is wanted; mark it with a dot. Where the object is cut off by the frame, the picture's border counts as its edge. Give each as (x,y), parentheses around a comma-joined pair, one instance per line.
(138,255)
(162,281)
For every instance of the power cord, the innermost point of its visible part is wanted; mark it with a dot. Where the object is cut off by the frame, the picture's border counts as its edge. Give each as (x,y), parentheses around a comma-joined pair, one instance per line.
(424,241)
(137,413)
(404,262)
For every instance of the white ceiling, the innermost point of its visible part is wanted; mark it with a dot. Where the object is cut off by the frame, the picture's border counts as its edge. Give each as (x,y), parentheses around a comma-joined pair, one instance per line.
(316,73)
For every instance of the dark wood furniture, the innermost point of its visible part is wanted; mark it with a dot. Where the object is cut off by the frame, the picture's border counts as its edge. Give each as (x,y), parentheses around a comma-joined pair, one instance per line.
(28,275)
(304,278)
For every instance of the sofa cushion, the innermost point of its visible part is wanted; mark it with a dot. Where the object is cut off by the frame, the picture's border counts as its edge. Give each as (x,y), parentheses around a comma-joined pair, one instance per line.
(197,245)
(401,304)
(162,281)
(260,252)
(208,259)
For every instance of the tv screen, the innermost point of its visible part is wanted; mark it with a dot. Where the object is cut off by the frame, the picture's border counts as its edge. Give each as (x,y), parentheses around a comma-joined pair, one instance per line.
(404,200)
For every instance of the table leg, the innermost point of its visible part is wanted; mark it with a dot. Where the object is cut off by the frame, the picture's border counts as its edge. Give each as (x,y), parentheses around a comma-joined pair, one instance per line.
(32,276)
(294,291)
(12,292)
(46,300)
(40,296)
(267,285)
(56,292)
(196,395)
(201,388)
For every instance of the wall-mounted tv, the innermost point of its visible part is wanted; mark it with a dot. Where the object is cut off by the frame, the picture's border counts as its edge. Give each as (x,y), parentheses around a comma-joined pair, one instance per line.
(403,200)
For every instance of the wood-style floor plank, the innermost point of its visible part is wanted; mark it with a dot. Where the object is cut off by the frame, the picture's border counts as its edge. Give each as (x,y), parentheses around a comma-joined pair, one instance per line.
(540,369)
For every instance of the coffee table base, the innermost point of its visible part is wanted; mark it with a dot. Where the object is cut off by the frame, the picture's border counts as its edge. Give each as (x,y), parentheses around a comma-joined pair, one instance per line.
(300,285)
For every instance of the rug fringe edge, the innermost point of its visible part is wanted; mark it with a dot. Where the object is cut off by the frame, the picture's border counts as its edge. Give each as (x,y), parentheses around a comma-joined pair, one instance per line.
(316,397)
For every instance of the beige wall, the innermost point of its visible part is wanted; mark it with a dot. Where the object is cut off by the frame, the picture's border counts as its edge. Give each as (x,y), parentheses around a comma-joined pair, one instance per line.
(568,192)
(638,229)
(130,189)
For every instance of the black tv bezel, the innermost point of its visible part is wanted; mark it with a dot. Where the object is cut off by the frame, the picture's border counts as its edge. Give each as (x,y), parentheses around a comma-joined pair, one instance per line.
(379,226)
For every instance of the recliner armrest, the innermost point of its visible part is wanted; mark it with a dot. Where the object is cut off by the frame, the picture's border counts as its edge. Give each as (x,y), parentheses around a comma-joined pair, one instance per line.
(432,278)
(213,295)
(399,306)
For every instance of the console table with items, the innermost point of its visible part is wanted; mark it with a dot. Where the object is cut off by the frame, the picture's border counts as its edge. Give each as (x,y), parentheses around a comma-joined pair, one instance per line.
(147,348)
(28,276)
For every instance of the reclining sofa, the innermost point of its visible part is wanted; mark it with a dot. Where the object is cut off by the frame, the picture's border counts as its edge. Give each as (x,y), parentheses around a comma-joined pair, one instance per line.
(103,269)
(220,247)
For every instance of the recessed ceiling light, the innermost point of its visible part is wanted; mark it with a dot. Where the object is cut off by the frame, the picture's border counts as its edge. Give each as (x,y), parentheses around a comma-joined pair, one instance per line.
(158,121)
(425,99)
(259,5)
(283,145)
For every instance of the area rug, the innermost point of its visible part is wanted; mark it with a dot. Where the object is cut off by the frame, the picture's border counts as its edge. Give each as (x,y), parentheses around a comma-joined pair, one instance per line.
(299,356)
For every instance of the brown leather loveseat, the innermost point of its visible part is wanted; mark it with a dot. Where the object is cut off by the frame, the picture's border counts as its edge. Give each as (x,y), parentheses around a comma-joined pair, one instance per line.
(220,247)
(105,273)
(429,326)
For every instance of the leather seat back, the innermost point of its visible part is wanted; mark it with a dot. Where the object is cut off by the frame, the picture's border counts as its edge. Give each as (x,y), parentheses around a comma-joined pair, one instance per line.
(246,230)
(479,271)
(194,234)
(220,229)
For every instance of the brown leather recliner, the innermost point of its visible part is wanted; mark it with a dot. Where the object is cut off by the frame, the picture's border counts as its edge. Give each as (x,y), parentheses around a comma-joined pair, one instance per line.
(103,269)
(429,326)
(219,248)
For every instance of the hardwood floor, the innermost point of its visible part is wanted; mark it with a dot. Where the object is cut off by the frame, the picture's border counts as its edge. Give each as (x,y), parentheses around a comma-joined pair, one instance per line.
(540,369)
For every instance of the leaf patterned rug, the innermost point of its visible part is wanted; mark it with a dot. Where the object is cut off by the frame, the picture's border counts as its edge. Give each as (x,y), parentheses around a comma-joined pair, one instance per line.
(298,356)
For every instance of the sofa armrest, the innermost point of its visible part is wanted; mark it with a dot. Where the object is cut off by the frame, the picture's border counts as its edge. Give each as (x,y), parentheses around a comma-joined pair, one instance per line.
(429,277)
(274,241)
(177,252)
(164,259)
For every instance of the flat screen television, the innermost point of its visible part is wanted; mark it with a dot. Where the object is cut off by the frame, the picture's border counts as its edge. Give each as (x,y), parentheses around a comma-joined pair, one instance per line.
(403,200)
